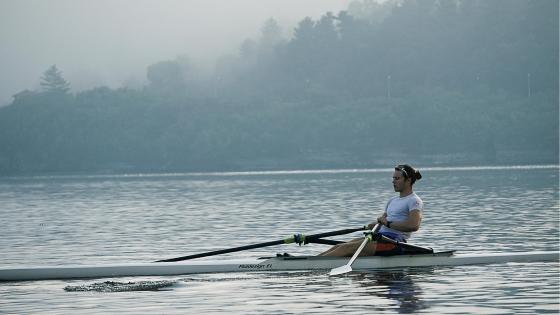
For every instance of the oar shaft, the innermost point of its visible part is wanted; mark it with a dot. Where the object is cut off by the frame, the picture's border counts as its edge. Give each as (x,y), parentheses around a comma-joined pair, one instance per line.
(224,251)
(265,244)
(348,267)
(358,251)
(324,241)
(335,233)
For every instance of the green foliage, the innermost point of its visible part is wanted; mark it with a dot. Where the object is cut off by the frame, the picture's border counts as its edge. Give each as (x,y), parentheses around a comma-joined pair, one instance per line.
(426,82)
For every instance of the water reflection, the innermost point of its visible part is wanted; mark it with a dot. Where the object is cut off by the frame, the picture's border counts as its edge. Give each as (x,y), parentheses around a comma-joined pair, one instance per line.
(397,286)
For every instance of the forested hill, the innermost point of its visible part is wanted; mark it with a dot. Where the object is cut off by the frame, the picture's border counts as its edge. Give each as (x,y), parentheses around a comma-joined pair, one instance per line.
(420,81)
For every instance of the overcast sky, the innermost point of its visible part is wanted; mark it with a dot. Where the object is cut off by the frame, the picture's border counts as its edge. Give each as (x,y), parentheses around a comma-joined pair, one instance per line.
(110,42)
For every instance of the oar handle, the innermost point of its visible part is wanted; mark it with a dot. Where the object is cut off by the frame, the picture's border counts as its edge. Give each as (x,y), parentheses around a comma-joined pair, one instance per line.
(305,239)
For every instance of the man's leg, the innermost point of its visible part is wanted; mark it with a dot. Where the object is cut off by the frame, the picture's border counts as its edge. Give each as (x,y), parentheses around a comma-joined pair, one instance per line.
(337,248)
(348,249)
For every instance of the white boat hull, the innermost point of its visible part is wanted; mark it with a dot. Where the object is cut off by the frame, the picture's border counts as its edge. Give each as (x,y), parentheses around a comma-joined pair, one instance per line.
(297,263)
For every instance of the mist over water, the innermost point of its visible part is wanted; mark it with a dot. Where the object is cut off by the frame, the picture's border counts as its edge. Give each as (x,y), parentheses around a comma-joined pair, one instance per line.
(289,86)
(111,43)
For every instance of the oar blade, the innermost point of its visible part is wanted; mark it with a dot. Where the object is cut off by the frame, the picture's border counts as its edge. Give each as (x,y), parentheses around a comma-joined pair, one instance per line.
(341,270)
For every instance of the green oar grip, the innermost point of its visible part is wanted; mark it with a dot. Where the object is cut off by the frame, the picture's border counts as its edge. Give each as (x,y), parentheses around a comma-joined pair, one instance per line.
(296,238)
(289,240)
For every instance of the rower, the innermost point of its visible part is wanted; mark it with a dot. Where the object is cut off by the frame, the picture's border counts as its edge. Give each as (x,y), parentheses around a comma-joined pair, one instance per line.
(402,216)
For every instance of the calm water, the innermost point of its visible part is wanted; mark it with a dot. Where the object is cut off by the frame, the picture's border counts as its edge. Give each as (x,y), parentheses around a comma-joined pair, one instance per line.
(109,219)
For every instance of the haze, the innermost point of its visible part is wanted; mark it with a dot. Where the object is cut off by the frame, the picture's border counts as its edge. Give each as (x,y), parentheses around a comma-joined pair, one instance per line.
(111,43)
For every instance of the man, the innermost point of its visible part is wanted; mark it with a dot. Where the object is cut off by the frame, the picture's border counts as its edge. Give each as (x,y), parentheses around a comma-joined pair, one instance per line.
(402,216)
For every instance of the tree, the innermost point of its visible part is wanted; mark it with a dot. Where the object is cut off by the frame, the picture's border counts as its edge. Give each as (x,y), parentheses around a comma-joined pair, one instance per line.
(304,31)
(167,76)
(271,35)
(52,81)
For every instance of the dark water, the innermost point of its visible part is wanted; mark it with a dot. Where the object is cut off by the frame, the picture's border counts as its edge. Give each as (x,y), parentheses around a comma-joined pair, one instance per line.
(141,218)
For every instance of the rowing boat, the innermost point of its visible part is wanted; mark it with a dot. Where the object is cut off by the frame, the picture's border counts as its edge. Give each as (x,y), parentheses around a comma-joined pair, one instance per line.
(281,263)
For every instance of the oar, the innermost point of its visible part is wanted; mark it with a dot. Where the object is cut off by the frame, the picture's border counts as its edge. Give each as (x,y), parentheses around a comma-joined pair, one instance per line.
(297,238)
(348,267)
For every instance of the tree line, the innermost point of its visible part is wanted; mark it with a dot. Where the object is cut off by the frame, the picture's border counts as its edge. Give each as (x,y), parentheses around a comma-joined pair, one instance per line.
(423,81)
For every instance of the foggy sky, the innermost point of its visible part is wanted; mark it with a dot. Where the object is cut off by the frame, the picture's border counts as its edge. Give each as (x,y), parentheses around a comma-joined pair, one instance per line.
(111,42)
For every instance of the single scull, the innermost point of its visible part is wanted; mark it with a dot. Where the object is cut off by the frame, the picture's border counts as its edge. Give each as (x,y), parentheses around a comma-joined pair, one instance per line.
(290,263)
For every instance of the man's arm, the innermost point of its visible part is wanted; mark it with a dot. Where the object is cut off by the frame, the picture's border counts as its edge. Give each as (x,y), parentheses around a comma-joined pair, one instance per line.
(412,224)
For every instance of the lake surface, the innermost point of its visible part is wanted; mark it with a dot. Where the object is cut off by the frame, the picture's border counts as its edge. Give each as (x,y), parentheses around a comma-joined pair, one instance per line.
(111,219)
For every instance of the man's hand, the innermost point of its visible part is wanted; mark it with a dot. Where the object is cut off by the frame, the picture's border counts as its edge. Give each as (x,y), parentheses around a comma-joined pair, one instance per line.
(382,220)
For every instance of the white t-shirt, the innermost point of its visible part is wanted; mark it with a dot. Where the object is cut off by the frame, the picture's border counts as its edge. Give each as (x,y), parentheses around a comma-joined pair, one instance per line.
(398,209)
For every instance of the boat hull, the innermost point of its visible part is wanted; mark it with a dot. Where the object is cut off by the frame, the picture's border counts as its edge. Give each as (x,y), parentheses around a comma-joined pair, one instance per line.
(295,263)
